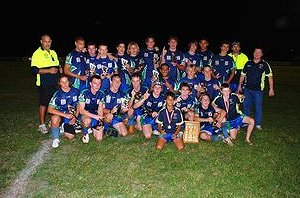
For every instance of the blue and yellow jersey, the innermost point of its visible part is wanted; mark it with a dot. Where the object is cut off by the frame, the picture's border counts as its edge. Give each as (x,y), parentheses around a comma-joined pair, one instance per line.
(255,74)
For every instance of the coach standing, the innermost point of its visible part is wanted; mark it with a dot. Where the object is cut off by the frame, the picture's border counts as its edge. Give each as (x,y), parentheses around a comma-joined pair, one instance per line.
(254,72)
(45,66)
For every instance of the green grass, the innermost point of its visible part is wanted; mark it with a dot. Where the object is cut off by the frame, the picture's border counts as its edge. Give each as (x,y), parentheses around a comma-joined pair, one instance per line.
(131,167)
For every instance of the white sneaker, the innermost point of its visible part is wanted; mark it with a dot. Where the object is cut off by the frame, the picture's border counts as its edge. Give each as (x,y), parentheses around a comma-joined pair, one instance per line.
(61,128)
(43,128)
(85,138)
(155,132)
(228,141)
(258,127)
(55,143)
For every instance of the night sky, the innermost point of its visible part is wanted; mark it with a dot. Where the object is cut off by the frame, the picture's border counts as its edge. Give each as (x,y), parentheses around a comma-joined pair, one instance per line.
(275,27)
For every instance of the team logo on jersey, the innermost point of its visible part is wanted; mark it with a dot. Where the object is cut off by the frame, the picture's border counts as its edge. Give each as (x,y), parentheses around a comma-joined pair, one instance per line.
(145,54)
(226,63)
(119,100)
(107,99)
(87,101)
(63,101)
(109,65)
(205,58)
(74,98)
(210,114)
(78,60)
(160,104)
(149,104)
(217,62)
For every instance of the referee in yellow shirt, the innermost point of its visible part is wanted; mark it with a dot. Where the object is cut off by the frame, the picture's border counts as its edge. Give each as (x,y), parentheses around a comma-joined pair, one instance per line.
(45,66)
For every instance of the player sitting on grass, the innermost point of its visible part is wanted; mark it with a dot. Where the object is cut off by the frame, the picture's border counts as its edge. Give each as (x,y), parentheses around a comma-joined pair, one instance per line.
(235,118)
(63,109)
(169,124)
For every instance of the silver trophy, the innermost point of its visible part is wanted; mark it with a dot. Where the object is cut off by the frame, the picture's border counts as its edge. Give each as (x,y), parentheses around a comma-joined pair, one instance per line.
(124,62)
(104,69)
(155,74)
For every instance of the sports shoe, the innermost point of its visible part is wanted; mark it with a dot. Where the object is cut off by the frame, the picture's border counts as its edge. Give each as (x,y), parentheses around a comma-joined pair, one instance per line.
(43,129)
(258,127)
(55,143)
(228,141)
(85,138)
(155,132)
(77,127)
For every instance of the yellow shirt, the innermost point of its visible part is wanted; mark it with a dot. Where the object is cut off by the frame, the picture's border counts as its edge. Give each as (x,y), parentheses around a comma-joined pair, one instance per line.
(239,60)
(43,59)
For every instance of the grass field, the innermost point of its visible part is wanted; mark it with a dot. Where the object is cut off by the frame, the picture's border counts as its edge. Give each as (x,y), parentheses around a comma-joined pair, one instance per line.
(131,167)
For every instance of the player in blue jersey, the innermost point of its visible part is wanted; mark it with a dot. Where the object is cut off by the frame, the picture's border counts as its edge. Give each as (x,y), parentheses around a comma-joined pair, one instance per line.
(185,101)
(63,110)
(91,110)
(105,67)
(151,104)
(136,60)
(223,65)
(151,56)
(125,69)
(113,107)
(169,83)
(204,53)
(90,68)
(192,56)
(229,102)
(254,72)
(135,93)
(212,120)
(193,79)
(209,85)
(75,64)
(169,124)
(174,58)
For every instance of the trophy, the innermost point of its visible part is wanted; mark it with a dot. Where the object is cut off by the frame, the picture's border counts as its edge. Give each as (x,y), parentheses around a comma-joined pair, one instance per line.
(104,69)
(155,75)
(124,62)
(91,71)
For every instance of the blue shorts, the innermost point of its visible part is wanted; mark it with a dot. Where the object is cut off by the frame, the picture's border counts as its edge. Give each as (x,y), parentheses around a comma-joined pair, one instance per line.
(236,123)
(209,129)
(114,121)
(168,137)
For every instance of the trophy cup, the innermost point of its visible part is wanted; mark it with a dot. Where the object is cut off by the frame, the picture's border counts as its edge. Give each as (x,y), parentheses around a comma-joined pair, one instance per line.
(104,69)
(155,75)
(124,62)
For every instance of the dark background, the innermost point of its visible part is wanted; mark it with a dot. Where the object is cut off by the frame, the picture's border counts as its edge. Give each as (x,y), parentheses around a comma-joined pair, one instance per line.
(273,26)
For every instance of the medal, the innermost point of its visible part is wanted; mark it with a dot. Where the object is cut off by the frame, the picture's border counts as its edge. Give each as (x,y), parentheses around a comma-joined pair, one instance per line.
(169,118)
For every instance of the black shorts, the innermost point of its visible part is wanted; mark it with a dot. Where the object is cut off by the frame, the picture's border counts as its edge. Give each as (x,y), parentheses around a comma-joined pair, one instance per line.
(45,94)
(69,129)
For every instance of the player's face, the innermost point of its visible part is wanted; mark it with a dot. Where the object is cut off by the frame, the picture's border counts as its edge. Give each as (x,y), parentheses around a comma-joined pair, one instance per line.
(170,101)
(92,50)
(80,45)
(157,89)
(95,84)
(193,47)
(173,44)
(164,71)
(103,50)
(191,71)
(225,92)
(185,91)
(205,101)
(133,50)
(64,83)
(121,48)
(203,44)
(115,83)
(207,72)
(150,43)
(224,48)
(136,82)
